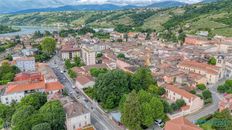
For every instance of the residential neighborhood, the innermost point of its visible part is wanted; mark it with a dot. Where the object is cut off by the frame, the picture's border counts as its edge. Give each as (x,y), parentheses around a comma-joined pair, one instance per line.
(80,76)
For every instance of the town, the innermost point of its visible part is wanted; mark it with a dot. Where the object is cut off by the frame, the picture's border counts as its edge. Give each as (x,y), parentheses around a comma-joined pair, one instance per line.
(105,83)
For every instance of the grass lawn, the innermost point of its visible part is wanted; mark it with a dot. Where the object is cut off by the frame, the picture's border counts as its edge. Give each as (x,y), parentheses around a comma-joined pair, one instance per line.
(155,22)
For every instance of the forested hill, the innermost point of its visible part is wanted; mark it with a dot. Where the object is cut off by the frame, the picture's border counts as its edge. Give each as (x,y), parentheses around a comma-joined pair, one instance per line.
(216,18)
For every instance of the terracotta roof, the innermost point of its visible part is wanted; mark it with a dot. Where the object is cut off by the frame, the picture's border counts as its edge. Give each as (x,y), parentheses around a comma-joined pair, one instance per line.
(201,66)
(28,76)
(180,124)
(180,91)
(53,86)
(26,86)
(68,48)
(84,79)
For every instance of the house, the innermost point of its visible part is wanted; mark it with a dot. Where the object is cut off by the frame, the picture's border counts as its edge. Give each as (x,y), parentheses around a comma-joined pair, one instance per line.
(25,63)
(226,103)
(76,117)
(212,73)
(84,82)
(69,51)
(195,40)
(180,123)
(47,72)
(29,51)
(27,83)
(88,55)
(193,102)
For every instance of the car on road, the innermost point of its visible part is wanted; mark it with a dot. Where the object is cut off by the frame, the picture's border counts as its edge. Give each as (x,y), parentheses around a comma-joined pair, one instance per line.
(159,122)
(73,86)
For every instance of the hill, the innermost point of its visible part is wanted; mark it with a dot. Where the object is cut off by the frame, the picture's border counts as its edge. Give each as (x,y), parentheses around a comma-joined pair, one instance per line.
(166,4)
(216,18)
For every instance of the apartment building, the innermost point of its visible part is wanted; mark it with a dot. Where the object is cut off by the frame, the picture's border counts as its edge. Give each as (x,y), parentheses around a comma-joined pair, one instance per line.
(25,63)
(69,51)
(212,73)
(88,55)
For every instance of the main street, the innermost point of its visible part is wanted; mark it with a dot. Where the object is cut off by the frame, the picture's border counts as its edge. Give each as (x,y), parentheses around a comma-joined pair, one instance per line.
(212,107)
(99,119)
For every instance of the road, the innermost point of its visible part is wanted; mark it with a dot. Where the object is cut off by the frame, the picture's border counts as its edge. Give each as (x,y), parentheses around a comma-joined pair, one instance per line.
(211,108)
(98,118)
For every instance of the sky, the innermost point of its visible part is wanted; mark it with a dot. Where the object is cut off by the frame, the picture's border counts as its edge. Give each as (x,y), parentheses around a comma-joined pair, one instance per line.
(15,5)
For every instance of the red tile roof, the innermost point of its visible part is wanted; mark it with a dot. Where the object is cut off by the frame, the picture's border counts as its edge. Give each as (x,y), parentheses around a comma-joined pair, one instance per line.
(180,124)
(84,79)
(201,66)
(180,91)
(53,86)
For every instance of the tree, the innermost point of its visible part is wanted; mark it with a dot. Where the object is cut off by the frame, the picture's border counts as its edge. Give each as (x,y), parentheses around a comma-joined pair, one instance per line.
(131,114)
(207,94)
(48,45)
(36,100)
(121,56)
(212,61)
(54,114)
(201,86)
(6,113)
(150,108)
(72,74)
(167,107)
(77,61)
(68,64)
(174,106)
(95,72)
(110,87)
(180,103)
(142,79)
(222,120)
(21,115)
(42,126)
(99,55)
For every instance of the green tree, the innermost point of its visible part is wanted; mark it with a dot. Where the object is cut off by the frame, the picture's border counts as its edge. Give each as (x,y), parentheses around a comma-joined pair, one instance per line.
(180,103)
(222,120)
(48,45)
(201,86)
(95,72)
(68,64)
(72,74)
(121,56)
(54,114)
(212,61)
(207,94)
(142,79)
(21,115)
(150,108)
(131,114)
(42,126)
(110,87)
(6,113)
(36,100)
(77,61)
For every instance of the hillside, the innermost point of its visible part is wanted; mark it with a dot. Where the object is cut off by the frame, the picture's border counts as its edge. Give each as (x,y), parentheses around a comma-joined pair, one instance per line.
(216,18)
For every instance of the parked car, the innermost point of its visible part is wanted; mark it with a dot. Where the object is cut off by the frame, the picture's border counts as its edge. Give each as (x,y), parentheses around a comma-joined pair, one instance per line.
(159,122)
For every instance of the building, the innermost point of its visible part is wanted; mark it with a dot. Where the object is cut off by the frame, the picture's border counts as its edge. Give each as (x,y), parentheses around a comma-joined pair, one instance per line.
(196,40)
(27,83)
(212,73)
(88,55)
(25,63)
(47,72)
(226,103)
(69,51)
(193,102)
(84,82)
(76,117)
(180,124)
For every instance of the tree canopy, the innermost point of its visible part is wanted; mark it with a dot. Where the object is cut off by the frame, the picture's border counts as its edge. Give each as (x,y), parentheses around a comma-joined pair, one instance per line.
(139,110)
(110,87)
(48,45)
(142,79)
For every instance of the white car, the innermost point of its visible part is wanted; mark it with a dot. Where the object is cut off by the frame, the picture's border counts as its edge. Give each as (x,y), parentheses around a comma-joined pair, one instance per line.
(159,122)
